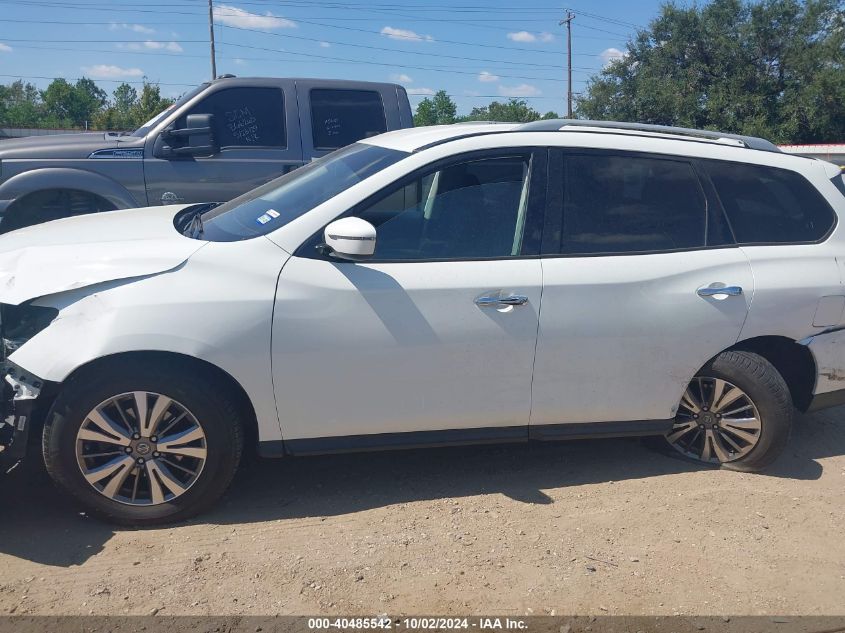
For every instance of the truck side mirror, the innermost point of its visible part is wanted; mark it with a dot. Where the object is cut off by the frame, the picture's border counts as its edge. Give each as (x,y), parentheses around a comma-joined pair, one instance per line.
(198,134)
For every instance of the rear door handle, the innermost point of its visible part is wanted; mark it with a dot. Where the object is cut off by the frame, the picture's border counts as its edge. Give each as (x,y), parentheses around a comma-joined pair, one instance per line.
(499,302)
(710,291)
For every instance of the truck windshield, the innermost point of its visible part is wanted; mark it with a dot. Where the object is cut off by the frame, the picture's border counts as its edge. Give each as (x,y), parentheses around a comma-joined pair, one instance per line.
(284,199)
(144,129)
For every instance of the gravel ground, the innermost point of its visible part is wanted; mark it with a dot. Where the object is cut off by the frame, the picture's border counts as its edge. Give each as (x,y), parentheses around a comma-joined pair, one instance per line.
(597,527)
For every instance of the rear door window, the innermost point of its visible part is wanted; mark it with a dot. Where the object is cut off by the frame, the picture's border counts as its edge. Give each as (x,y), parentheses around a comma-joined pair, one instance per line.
(629,204)
(341,117)
(246,117)
(766,205)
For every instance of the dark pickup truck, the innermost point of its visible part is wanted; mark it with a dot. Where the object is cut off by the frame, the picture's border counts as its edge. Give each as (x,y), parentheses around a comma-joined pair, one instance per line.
(218,141)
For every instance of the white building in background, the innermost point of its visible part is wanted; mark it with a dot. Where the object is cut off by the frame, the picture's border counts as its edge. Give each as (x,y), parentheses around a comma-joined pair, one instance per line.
(833,152)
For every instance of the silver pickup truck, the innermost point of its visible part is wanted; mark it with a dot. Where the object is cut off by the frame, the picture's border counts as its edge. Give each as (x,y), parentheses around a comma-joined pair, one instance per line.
(218,141)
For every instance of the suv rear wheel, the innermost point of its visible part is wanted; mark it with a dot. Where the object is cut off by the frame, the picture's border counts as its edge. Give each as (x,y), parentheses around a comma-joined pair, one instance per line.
(143,446)
(737,412)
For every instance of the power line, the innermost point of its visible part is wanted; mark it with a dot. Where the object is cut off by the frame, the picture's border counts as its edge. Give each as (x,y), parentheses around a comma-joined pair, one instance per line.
(115,81)
(288,36)
(324,59)
(609,20)
(393,64)
(165,42)
(438,40)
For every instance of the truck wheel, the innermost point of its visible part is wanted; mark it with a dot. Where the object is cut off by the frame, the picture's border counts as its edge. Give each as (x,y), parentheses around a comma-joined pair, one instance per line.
(143,446)
(51,204)
(737,413)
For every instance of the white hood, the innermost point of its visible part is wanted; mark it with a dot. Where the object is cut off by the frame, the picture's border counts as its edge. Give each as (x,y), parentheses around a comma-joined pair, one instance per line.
(89,249)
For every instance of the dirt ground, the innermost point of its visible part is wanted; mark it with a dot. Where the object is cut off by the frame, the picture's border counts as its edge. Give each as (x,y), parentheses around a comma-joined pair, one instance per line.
(598,527)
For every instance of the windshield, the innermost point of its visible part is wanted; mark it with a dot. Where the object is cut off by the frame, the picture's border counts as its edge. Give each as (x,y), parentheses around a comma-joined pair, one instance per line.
(280,201)
(144,129)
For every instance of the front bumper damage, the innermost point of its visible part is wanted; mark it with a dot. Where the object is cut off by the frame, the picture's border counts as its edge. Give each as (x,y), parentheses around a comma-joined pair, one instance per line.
(18,411)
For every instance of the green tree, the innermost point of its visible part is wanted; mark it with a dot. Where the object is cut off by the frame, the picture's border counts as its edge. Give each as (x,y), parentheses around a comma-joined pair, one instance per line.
(20,105)
(772,68)
(514,110)
(149,104)
(436,110)
(118,115)
(72,104)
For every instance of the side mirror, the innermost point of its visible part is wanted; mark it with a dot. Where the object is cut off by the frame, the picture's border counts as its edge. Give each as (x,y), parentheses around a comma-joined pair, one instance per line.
(199,135)
(351,238)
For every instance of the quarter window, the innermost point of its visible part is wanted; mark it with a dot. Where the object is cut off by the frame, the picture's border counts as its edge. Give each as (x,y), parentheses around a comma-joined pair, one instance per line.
(624,204)
(470,210)
(769,205)
(246,117)
(341,117)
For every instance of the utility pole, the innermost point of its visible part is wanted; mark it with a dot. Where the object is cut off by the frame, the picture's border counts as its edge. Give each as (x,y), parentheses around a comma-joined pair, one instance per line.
(568,22)
(211,38)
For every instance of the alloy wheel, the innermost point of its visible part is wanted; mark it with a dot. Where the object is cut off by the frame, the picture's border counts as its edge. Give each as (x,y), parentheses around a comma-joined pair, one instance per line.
(141,448)
(717,422)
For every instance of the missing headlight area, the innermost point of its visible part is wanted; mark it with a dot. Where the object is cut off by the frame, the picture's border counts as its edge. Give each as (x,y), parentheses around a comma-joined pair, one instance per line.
(19,323)
(19,389)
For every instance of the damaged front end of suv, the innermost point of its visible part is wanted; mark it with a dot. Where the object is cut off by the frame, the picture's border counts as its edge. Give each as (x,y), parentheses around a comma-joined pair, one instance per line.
(25,397)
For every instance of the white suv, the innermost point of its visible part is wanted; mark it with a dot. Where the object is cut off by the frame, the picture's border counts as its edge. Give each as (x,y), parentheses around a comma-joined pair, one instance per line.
(455,284)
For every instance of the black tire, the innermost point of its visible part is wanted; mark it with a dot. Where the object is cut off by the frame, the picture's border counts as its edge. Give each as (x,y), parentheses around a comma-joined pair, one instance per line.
(768,392)
(214,407)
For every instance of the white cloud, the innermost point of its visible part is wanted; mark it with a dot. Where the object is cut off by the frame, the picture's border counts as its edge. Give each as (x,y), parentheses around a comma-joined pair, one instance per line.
(151,45)
(405,35)
(169,46)
(487,77)
(522,90)
(137,28)
(525,36)
(106,71)
(240,62)
(522,36)
(611,54)
(401,78)
(426,92)
(234,16)
(5,48)
(325,45)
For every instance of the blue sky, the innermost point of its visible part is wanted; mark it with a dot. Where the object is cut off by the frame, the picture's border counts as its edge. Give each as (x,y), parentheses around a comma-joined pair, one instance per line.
(476,50)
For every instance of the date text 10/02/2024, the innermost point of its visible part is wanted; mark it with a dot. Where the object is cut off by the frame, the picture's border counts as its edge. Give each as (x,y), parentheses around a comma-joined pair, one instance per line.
(417,623)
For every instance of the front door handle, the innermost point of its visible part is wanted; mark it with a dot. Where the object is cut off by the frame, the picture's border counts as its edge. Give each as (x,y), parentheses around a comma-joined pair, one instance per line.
(500,302)
(710,291)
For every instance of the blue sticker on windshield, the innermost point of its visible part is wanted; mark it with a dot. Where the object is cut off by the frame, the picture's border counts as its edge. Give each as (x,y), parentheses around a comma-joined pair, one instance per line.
(264,219)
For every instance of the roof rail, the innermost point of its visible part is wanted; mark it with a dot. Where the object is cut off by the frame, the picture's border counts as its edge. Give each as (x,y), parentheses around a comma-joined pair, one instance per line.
(555,125)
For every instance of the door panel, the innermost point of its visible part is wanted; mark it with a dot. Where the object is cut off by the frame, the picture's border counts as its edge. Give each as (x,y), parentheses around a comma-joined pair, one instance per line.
(620,337)
(403,347)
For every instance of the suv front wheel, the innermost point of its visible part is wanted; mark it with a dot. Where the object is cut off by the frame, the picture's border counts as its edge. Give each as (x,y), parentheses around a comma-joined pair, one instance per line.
(143,446)
(737,413)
